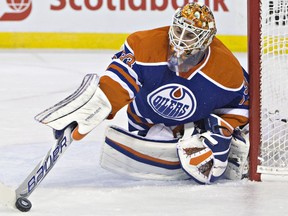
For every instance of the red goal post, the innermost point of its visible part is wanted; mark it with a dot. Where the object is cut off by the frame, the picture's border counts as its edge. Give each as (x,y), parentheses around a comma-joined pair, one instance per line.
(268,71)
(254,84)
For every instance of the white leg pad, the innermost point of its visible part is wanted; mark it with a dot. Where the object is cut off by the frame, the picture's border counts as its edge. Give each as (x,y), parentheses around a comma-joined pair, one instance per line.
(137,157)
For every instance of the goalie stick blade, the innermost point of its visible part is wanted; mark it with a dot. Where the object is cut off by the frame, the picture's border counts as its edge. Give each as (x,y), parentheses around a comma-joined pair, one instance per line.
(7,196)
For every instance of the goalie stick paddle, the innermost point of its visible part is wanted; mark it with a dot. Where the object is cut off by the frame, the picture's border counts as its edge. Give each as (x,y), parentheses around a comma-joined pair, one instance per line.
(46,164)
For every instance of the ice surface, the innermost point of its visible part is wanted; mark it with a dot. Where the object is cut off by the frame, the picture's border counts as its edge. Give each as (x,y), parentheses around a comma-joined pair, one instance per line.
(77,186)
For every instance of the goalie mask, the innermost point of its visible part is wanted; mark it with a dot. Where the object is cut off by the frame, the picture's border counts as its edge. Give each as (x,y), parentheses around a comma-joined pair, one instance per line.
(190,34)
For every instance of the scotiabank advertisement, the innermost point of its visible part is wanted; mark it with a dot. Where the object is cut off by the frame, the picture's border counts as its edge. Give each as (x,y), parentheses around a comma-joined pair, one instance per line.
(112,16)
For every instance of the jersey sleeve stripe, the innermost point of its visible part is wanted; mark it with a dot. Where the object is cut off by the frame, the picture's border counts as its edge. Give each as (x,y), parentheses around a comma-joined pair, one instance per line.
(131,72)
(125,73)
(116,78)
(125,78)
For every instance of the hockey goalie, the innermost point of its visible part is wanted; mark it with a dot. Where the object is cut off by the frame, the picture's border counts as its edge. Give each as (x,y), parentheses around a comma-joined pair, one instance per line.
(187,104)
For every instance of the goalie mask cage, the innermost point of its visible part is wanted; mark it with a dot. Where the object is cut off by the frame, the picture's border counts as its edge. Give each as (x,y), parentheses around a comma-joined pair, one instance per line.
(268,69)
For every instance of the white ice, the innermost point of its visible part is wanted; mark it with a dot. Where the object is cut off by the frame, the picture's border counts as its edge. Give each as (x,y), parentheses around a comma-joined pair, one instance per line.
(32,81)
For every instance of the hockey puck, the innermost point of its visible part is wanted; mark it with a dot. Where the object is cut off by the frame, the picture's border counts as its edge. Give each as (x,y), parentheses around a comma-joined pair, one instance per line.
(23,204)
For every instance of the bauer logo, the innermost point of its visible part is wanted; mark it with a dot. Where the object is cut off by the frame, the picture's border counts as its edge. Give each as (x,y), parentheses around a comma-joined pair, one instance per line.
(173,101)
(15,10)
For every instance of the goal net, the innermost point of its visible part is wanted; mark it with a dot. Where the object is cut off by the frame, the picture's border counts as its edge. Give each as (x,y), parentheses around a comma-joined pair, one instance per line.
(269,89)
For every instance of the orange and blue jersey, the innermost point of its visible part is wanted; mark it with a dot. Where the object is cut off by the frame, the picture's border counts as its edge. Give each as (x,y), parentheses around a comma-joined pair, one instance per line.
(140,77)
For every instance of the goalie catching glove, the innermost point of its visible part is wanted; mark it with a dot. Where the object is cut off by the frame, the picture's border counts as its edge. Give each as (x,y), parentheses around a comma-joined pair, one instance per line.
(88,106)
(204,155)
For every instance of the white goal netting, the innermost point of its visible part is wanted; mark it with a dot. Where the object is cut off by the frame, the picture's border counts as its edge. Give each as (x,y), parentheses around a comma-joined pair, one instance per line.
(274,88)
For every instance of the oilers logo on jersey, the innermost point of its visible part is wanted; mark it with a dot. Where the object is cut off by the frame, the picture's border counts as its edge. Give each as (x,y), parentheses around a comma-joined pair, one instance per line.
(173,101)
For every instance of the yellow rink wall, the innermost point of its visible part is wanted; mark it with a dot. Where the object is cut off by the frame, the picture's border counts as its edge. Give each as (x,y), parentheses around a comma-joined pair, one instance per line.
(36,40)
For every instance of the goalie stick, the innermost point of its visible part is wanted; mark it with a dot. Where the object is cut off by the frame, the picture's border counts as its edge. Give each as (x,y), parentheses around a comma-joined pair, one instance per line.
(81,111)
(46,164)
(18,197)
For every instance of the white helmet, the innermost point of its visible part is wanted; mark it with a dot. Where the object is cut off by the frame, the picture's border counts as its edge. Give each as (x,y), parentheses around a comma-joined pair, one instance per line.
(191,32)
